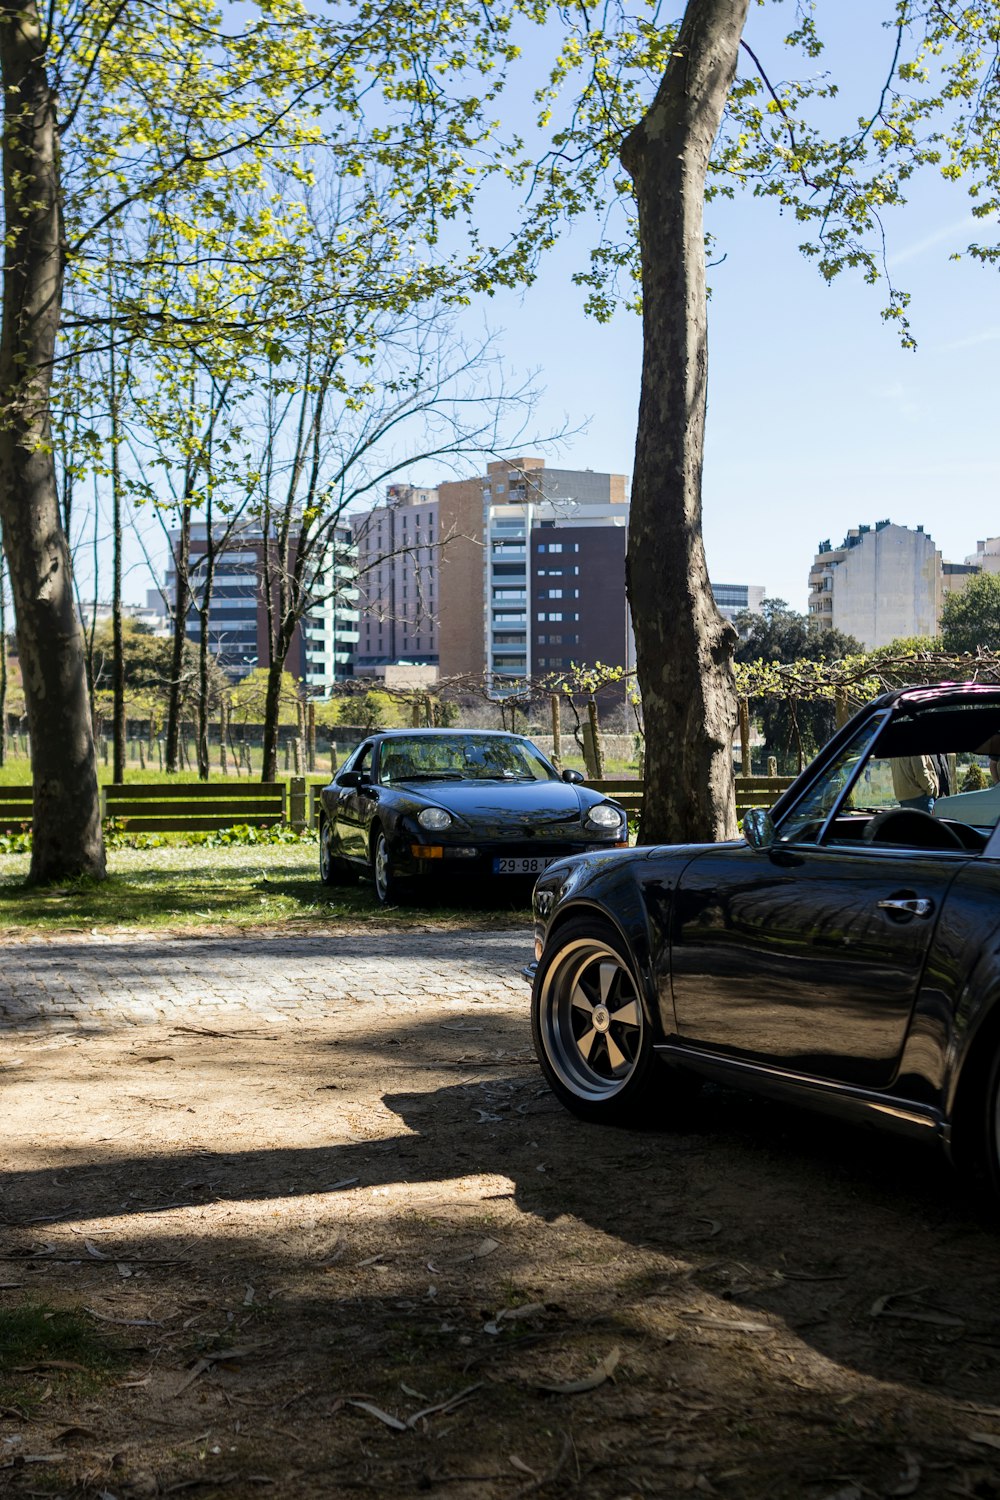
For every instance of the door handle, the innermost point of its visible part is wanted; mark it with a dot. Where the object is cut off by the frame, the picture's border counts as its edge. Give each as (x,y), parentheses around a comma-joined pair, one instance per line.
(911,906)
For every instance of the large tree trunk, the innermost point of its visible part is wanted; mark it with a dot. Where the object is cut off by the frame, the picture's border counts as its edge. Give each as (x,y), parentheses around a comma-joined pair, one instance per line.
(683,645)
(67,818)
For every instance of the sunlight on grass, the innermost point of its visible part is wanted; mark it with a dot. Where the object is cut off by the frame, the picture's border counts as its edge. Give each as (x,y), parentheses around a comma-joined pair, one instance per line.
(188,888)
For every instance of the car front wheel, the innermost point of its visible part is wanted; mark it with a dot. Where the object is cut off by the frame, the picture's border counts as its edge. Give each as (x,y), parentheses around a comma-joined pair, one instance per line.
(387,882)
(591,1031)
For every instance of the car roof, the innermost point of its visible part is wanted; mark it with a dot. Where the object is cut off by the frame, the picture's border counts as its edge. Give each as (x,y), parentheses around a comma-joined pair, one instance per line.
(941,693)
(490,734)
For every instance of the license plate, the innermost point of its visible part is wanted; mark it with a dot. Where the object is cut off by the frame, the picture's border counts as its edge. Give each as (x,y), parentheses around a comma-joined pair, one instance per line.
(533,866)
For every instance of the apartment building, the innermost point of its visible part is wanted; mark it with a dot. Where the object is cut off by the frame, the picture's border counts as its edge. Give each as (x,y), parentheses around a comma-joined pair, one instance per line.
(532,570)
(397,565)
(323,646)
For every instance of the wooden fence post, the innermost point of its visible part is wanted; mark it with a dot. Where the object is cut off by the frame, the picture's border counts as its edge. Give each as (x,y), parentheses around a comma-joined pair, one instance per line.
(223,732)
(297,808)
(772,765)
(745,763)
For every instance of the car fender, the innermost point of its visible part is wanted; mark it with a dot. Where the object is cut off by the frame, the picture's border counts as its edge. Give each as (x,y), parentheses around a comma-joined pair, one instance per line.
(632,891)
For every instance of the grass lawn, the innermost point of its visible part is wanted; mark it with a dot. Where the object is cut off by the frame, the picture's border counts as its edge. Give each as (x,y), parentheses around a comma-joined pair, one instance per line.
(179,888)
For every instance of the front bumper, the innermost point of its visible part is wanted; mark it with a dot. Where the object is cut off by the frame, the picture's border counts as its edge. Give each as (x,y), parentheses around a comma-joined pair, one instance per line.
(522,859)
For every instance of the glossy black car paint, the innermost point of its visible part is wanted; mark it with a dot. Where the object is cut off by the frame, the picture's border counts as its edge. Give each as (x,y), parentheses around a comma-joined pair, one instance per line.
(511,820)
(774,968)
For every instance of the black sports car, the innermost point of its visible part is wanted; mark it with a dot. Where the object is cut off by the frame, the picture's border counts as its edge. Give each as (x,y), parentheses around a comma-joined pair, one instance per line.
(845,955)
(419,804)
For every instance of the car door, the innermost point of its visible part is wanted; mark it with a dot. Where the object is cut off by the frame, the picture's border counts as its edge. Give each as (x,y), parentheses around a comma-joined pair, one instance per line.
(806,959)
(807,955)
(354,807)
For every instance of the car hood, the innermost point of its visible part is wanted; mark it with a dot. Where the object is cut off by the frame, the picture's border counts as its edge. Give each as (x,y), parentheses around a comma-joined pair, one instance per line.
(540,803)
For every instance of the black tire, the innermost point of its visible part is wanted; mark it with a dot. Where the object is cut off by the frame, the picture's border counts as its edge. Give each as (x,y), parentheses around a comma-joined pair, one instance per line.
(332,871)
(388,886)
(592,1031)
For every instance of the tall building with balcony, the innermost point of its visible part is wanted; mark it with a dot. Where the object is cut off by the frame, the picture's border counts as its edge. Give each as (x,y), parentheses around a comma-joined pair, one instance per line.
(396,544)
(533,571)
(235,604)
(330,625)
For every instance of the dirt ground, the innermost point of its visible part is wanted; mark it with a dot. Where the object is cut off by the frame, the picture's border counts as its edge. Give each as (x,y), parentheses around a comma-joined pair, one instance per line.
(372,1255)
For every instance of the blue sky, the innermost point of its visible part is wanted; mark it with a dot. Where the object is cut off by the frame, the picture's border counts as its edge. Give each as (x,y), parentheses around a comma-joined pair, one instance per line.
(817,420)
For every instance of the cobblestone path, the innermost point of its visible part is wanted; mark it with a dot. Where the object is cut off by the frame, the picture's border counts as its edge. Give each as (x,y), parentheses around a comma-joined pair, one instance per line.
(97,982)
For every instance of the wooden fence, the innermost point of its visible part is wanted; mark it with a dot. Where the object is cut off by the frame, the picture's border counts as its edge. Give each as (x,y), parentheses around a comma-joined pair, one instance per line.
(182,806)
(205,806)
(751,791)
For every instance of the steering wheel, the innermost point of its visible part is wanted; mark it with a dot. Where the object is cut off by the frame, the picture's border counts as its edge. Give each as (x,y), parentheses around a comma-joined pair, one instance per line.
(910,826)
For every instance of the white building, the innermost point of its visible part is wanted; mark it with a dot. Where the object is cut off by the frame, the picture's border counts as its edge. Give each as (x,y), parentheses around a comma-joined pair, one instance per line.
(330,625)
(882,583)
(986,558)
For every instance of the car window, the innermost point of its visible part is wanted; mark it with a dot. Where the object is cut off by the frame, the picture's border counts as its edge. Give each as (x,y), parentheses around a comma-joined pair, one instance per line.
(461,757)
(359,760)
(925,782)
(805,821)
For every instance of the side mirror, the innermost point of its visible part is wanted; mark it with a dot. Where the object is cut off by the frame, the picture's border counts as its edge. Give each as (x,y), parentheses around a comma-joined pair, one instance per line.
(758,829)
(351,778)
(574,777)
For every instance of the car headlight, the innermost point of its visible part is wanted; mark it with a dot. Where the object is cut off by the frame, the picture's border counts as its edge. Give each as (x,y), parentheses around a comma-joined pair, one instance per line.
(434,817)
(604,816)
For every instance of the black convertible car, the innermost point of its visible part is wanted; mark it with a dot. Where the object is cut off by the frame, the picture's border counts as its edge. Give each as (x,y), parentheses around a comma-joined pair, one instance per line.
(421,804)
(845,955)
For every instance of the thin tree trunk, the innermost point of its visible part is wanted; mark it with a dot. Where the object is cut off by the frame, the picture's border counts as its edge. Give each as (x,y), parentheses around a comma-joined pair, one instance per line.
(683,645)
(68,840)
(272,715)
(3,662)
(182,603)
(206,579)
(118,635)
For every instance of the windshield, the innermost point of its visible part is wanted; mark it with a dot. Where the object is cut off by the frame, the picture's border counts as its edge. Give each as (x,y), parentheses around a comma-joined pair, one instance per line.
(462,757)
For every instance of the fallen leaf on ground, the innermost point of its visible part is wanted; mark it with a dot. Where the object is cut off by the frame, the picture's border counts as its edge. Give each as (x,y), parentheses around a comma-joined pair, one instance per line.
(383,1416)
(597,1376)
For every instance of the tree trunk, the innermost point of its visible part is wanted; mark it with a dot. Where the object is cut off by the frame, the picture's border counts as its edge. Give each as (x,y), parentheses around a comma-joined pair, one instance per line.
(118,636)
(3,662)
(683,645)
(68,840)
(272,716)
(182,603)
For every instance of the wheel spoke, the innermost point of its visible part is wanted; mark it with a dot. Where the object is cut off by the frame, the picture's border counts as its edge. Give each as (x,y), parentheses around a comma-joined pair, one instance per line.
(586,1043)
(616,1056)
(627,1016)
(607,974)
(580,1000)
